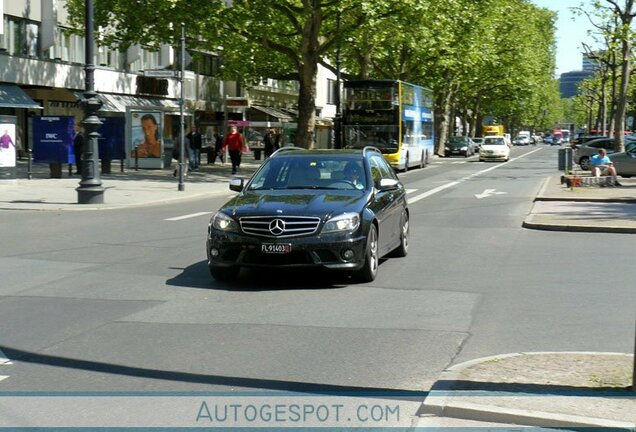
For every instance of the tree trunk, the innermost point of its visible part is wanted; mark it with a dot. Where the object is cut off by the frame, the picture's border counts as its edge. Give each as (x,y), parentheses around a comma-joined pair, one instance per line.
(621,106)
(603,106)
(307,73)
(443,114)
(612,114)
(473,120)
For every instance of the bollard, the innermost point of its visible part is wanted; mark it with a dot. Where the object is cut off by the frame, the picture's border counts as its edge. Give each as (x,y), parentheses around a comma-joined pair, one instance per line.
(121,165)
(565,160)
(29,165)
(136,159)
(634,370)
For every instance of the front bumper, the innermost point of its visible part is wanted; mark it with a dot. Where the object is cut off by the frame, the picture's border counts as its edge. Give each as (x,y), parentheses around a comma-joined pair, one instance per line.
(234,249)
(497,156)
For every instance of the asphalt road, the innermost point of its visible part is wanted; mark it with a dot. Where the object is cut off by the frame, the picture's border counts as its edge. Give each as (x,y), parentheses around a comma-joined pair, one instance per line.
(121,300)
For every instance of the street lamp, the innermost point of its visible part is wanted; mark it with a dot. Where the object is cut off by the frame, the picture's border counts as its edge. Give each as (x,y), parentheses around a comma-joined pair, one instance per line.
(90,190)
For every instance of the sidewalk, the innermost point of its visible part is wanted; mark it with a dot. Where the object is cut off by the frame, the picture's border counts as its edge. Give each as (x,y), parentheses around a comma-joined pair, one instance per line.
(122,189)
(590,209)
(547,390)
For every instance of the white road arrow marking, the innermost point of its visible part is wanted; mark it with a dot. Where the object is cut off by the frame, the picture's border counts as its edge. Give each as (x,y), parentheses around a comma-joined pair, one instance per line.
(488,192)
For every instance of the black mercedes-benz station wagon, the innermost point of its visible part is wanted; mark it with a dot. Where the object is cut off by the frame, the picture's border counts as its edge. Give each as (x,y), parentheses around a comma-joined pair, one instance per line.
(336,209)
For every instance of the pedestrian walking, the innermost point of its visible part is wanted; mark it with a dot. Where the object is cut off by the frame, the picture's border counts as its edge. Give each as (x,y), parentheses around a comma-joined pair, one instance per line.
(234,144)
(176,154)
(78,148)
(196,142)
(271,142)
(218,147)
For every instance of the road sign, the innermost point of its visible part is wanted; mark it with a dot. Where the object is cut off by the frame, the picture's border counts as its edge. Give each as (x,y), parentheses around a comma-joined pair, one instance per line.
(160,73)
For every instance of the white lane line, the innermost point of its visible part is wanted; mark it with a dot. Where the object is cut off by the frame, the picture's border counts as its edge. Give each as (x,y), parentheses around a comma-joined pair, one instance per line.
(408,191)
(454,183)
(3,377)
(188,216)
(432,192)
(4,360)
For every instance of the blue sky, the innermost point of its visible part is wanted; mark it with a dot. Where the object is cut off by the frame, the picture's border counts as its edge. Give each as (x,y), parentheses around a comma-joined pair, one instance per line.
(571,31)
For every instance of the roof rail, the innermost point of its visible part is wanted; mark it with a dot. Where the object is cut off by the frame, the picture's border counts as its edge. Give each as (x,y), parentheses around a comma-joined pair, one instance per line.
(371,148)
(286,149)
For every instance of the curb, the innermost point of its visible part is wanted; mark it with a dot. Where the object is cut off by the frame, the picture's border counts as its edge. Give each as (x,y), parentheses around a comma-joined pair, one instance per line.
(438,403)
(529,223)
(74,207)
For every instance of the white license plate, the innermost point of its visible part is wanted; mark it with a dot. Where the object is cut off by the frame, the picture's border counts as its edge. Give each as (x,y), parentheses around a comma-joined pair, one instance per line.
(276,248)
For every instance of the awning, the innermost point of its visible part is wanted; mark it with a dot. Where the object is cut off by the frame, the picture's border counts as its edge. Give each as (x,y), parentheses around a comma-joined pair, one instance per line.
(119,103)
(12,96)
(273,112)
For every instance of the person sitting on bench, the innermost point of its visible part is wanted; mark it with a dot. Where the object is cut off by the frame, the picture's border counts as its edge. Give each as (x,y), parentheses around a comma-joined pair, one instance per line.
(602,165)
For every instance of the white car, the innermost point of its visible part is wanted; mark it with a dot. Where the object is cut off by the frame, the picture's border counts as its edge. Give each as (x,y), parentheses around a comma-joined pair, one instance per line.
(494,148)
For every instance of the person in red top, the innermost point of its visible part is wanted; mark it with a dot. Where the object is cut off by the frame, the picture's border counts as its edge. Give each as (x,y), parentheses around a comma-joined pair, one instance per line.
(234,143)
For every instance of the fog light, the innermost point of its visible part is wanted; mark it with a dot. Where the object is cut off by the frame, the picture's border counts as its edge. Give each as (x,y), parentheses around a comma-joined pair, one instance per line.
(214,252)
(347,254)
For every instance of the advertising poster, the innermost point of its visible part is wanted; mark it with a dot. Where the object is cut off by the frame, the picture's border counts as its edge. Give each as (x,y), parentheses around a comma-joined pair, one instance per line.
(146,134)
(112,138)
(53,139)
(7,147)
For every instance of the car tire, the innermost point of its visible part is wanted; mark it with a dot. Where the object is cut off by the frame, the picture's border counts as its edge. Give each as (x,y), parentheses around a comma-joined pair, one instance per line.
(224,274)
(584,163)
(403,249)
(369,269)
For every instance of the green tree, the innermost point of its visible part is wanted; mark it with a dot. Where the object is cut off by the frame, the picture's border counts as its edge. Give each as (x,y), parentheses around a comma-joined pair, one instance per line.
(282,39)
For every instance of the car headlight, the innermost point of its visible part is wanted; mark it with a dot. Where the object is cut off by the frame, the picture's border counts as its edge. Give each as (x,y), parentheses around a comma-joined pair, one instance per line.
(223,222)
(464,148)
(446,148)
(343,222)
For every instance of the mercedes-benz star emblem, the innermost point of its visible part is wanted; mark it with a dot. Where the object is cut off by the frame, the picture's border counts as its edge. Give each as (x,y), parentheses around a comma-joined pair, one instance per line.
(277,227)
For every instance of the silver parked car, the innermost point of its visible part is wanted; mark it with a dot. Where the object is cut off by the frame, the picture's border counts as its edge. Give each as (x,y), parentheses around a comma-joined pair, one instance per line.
(625,162)
(583,153)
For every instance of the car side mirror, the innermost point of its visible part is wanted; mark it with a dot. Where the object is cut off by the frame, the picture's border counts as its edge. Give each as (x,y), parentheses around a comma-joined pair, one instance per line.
(387,184)
(236,184)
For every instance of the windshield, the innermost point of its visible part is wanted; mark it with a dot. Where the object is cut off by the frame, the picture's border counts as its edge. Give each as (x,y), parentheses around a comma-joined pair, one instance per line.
(494,141)
(329,172)
(384,137)
(457,140)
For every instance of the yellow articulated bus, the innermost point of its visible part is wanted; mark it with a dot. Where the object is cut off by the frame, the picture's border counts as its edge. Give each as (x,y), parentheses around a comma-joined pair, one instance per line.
(394,116)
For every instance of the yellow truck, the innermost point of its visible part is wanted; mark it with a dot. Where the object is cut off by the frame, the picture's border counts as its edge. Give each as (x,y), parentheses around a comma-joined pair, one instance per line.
(493,130)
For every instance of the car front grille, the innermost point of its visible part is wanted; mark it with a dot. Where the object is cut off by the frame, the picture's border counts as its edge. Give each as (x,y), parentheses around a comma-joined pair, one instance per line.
(279,226)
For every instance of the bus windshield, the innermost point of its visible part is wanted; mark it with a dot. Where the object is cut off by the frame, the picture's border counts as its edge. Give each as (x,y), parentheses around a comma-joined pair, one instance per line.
(385,138)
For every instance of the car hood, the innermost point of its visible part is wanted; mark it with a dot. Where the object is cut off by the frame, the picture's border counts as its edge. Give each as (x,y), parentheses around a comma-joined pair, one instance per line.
(494,147)
(456,144)
(317,203)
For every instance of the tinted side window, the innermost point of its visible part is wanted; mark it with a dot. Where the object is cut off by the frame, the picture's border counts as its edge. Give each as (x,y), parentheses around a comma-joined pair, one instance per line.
(385,168)
(376,171)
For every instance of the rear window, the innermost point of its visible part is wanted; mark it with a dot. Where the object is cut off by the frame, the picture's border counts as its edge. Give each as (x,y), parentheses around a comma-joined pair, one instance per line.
(494,141)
